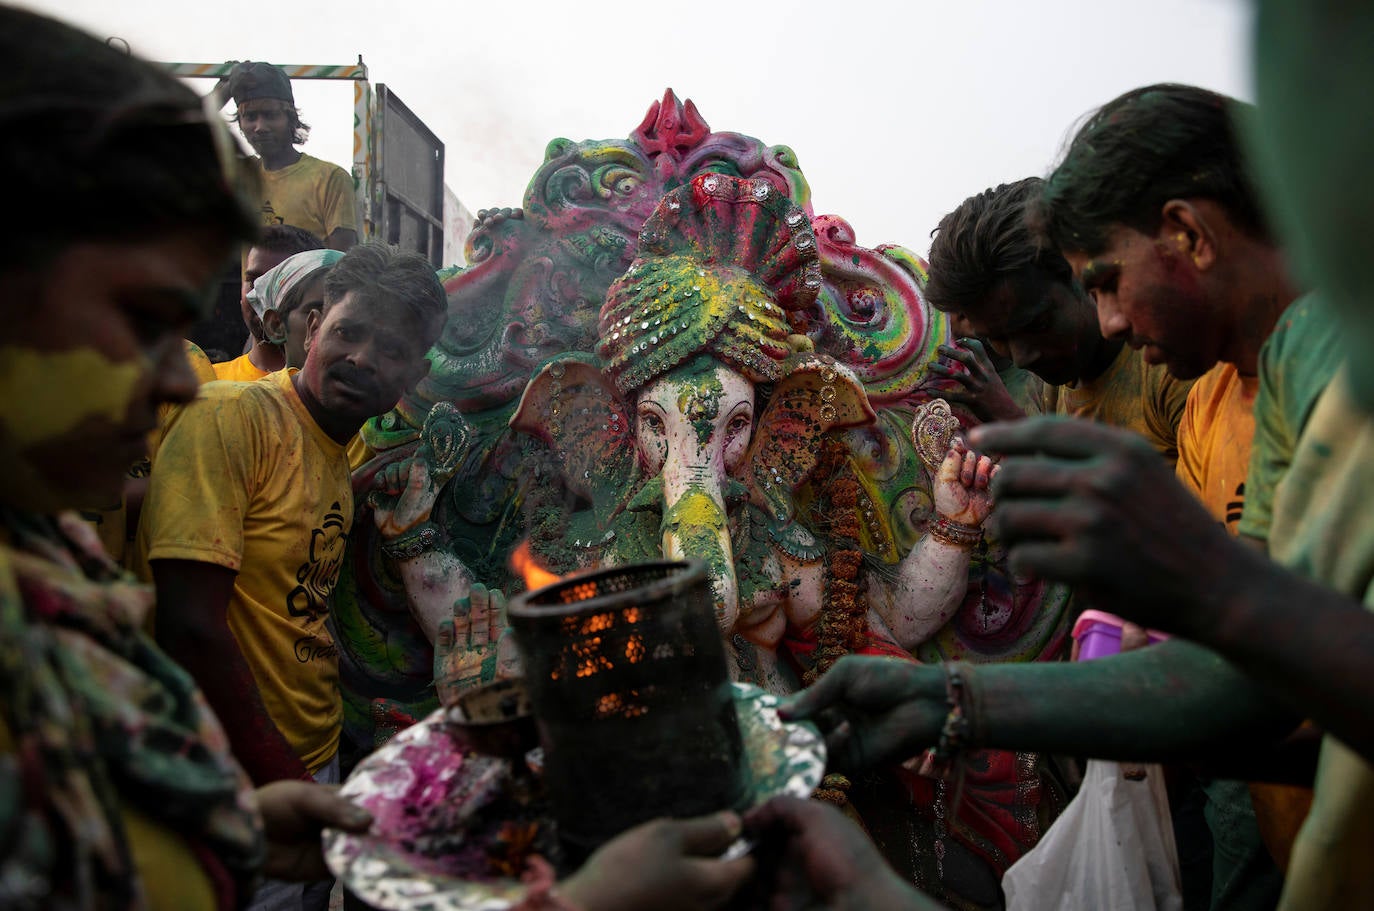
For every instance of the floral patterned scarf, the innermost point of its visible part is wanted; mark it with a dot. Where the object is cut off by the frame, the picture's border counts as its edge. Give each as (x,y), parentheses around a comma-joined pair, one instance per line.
(99,719)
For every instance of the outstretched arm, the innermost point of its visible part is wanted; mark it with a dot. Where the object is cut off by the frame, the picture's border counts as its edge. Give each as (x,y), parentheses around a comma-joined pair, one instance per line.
(193,628)
(1093,507)
(294,814)
(933,578)
(1310,645)
(1172,701)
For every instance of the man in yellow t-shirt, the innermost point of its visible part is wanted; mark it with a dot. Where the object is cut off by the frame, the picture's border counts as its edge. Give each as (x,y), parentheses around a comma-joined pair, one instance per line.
(1132,394)
(1214,441)
(1020,297)
(297,189)
(277,244)
(250,505)
(252,450)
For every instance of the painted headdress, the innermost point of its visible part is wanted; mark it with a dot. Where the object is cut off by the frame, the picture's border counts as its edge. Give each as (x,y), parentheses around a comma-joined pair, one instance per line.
(725,266)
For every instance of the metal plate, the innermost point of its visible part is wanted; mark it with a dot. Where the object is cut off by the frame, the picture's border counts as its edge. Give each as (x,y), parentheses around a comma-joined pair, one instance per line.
(421,788)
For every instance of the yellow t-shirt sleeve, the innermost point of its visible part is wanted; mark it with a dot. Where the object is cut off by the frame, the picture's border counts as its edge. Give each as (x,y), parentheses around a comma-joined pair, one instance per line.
(1164,410)
(203,483)
(1188,468)
(338,201)
(200,363)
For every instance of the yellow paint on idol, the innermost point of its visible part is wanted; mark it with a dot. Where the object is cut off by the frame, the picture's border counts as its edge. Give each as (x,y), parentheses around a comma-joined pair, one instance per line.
(696,509)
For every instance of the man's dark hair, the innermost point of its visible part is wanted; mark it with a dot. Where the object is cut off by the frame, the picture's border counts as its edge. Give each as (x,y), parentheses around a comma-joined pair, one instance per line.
(253,80)
(288,239)
(986,241)
(1137,152)
(300,130)
(381,272)
(103,146)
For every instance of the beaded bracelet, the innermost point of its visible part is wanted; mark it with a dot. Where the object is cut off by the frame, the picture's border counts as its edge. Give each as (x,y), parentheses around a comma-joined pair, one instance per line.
(410,544)
(955,534)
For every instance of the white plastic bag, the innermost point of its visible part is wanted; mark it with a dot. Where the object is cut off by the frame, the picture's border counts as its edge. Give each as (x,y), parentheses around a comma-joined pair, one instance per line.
(1111,850)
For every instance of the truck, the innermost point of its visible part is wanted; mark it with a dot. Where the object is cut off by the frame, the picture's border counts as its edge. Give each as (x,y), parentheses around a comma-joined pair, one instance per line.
(398,182)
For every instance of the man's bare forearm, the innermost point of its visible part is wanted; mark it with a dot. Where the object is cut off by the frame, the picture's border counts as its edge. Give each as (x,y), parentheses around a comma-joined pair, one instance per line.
(193,627)
(1308,645)
(1172,701)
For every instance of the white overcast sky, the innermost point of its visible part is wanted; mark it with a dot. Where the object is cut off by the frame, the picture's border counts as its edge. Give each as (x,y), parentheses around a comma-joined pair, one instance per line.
(897,110)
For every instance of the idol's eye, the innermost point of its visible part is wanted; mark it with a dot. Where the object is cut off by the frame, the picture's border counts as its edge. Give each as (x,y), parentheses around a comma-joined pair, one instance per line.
(622,181)
(739,424)
(650,422)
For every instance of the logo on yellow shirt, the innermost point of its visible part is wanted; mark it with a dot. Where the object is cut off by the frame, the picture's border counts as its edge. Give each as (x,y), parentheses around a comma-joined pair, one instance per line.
(320,571)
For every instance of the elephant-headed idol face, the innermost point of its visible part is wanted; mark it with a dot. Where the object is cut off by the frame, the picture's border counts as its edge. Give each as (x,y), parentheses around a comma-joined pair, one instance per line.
(693,426)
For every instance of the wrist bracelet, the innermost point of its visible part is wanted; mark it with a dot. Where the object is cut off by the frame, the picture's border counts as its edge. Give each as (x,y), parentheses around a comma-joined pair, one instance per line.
(957,731)
(410,544)
(955,534)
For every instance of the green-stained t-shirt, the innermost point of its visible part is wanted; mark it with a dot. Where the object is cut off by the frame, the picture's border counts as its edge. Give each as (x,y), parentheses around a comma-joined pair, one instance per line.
(1131,394)
(1027,390)
(1295,365)
(1323,529)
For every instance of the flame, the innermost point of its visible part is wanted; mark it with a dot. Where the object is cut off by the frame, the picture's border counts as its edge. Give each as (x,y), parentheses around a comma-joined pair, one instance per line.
(522,562)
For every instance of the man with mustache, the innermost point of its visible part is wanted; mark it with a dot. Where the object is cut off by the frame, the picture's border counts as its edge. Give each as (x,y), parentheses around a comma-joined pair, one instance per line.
(250,504)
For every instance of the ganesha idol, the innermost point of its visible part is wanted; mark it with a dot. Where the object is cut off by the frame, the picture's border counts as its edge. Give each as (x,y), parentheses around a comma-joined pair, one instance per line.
(707,426)
(666,354)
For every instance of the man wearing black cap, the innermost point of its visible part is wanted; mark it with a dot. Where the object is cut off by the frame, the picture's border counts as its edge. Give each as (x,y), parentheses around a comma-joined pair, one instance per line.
(297,189)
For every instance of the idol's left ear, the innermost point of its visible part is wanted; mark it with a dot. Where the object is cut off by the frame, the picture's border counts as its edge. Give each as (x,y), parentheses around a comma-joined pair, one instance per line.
(573,408)
(814,397)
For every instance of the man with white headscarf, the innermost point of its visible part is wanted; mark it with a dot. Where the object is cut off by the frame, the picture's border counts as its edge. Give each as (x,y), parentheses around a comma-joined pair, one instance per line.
(284,297)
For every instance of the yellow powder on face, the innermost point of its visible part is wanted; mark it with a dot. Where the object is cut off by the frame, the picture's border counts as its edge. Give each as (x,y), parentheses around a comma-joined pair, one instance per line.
(46,397)
(45,394)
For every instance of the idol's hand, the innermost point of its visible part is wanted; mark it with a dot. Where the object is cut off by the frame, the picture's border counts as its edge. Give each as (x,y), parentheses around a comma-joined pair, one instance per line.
(404,492)
(962,492)
(474,646)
